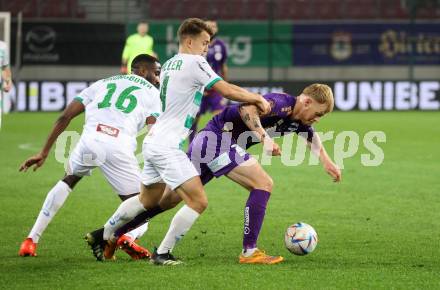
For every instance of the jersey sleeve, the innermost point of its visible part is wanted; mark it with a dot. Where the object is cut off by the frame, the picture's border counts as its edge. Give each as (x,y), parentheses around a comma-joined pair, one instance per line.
(87,95)
(154,107)
(127,48)
(5,60)
(203,73)
(280,104)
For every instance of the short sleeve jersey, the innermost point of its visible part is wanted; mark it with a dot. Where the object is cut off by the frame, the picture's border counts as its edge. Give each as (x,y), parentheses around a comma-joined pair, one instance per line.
(121,102)
(183,79)
(4,56)
(277,122)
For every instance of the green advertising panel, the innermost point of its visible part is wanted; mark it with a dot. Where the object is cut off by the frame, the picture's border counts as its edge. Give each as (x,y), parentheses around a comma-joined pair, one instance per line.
(248,43)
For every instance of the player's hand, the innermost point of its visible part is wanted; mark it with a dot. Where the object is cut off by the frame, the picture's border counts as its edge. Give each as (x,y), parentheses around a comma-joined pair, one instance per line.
(36,161)
(7,85)
(263,106)
(124,69)
(271,147)
(333,170)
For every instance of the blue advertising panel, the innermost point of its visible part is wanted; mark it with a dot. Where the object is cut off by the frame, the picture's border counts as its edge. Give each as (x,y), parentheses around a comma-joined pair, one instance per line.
(366,44)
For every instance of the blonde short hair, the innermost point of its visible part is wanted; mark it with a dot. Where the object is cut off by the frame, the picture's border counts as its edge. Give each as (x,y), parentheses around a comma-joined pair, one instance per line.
(322,94)
(193,27)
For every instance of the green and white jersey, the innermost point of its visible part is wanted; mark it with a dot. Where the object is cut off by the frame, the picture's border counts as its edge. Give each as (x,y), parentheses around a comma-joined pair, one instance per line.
(4,57)
(116,108)
(183,79)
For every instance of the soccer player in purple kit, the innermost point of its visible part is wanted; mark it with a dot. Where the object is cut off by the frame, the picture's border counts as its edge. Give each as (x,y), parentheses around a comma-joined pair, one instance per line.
(217,57)
(219,149)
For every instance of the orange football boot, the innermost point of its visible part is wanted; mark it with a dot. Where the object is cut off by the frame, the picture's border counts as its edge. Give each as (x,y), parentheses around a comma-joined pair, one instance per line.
(136,251)
(28,248)
(260,257)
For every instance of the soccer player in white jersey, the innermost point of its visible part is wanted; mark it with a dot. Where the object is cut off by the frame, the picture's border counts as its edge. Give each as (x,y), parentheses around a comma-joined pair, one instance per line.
(116,109)
(5,75)
(183,79)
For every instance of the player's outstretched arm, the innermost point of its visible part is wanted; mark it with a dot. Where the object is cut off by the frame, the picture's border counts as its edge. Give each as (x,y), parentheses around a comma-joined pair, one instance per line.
(251,117)
(235,93)
(329,166)
(6,76)
(73,109)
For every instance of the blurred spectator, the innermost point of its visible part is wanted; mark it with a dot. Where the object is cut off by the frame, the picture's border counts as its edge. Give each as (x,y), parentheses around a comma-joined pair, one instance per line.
(138,43)
(6,75)
(217,54)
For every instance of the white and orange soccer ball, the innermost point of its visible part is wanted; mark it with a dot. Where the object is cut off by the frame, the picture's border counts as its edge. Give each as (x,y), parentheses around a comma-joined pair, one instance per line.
(301,239)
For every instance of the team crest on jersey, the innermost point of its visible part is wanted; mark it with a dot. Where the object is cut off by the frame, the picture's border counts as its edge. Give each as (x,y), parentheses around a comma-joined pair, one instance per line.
(286,109)
(109,130)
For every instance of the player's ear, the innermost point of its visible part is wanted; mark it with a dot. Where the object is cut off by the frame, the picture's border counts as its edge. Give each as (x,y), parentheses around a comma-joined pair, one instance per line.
(308,101)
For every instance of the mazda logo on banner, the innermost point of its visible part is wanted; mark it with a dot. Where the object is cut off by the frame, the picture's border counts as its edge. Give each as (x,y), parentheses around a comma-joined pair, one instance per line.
(40,45)
(41,39)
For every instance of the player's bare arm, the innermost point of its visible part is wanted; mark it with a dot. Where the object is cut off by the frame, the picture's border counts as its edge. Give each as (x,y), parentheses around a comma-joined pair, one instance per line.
(6,76)
(224,71)
(73,109)
(235,93)
(251,117)
(329,166)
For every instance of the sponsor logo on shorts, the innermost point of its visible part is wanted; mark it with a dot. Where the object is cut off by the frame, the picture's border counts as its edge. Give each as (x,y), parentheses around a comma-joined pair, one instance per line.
(220,162)
(111,131)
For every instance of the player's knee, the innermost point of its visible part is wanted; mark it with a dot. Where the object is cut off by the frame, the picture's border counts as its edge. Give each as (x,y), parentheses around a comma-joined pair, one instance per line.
(148,201)
(265,184)
(199,204)
(204,203)
(169,202)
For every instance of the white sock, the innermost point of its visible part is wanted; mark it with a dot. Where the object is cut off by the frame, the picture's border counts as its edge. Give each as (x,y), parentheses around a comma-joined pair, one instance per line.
(126,211)
(53,202)
(248,252)
(138,232)
(181,223)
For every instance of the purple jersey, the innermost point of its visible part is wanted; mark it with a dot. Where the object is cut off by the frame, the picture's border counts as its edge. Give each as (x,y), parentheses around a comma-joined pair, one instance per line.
(276,123)
(217,55)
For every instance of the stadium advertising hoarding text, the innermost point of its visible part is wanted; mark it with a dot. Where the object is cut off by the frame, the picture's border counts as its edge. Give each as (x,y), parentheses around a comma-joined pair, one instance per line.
(248,43)
(349,95)
(366,44)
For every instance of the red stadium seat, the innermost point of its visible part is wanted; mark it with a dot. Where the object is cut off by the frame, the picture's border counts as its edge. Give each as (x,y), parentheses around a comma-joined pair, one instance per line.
(360,9)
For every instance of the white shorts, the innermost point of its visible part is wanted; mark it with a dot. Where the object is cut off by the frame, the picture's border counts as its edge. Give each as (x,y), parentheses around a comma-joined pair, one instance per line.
(168,165)
(119,167)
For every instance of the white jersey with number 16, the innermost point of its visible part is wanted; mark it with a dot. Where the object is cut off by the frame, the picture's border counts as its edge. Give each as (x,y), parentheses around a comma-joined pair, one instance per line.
(118,107)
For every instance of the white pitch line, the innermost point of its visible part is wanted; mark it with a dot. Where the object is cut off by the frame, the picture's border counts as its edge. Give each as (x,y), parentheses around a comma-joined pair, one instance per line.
(29,147)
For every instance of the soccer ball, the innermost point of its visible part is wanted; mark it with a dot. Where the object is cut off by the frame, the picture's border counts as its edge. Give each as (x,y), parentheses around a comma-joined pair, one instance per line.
(300,239)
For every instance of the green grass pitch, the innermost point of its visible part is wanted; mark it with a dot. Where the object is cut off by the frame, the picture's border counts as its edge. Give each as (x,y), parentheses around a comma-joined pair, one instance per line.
(379,228)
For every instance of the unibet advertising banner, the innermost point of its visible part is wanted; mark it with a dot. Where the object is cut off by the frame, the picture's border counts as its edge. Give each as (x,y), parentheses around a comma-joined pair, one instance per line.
(349,95)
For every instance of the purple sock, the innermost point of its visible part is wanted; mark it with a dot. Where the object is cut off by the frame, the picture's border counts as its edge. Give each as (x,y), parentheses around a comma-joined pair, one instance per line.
(253,217)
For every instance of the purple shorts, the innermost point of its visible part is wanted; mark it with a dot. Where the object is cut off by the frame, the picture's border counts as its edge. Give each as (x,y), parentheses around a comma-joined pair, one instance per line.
(211,102)
(215,154)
